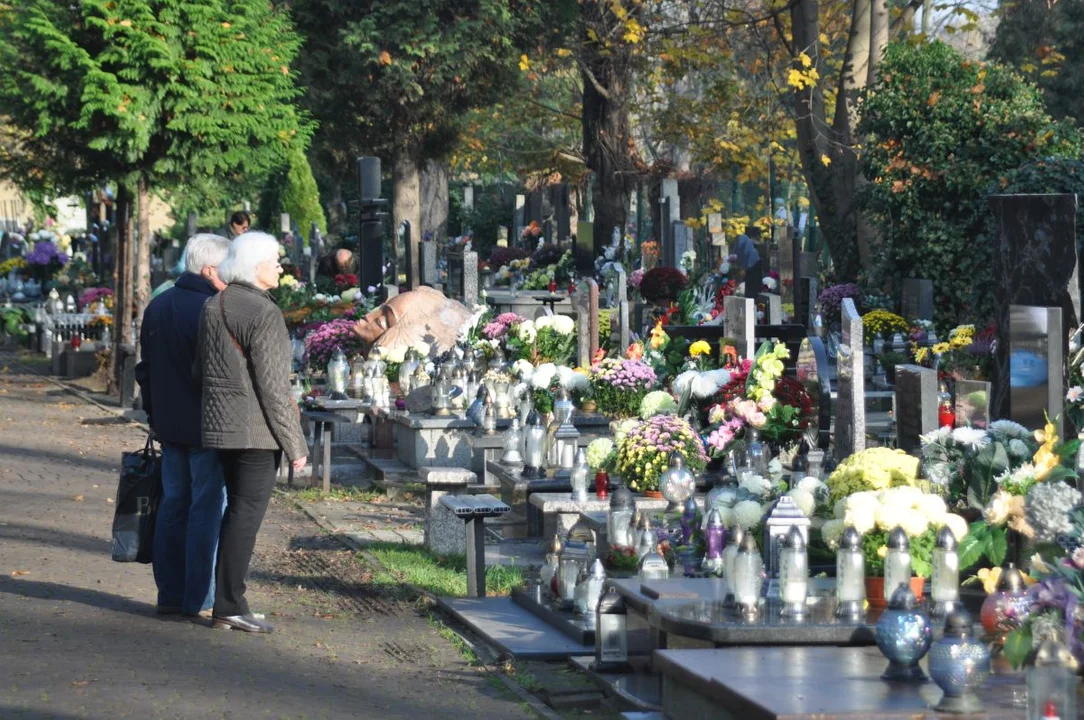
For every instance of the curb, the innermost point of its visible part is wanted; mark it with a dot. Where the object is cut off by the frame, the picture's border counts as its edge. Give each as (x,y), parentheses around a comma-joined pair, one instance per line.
(514,687)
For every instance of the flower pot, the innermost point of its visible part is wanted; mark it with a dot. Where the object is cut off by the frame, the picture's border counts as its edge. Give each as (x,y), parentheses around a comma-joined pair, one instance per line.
(653,494)
(875,590)
(589,406)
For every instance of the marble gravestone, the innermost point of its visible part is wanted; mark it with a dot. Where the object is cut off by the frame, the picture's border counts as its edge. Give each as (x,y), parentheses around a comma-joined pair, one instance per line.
(773,308)
(562,213)
(680,241)
(916,405)
(622,310)
(1034,264)
(518,219)
(851,389)
(1036,366)
(470,279)
(916,299)
(666,234)
(973,404)
(805,301)
(739,323)
(586,304)
(428,261)
(812,371)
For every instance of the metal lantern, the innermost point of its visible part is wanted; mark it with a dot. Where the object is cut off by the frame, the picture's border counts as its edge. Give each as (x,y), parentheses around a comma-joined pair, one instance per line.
(574,558)
(1009,605)
(338,370)
(945,578)
(1052,681)
(903,636)
(498,383)
(513,444)
(588,593)
(619,520)
(562,438)
(611,640)
(578,477)
(677,483)
(959,664)
(793,573)
(730,554)
(716,536)
(69,305)
(897,562)
(534,460)
(850,574)
(748,575)
(653,567)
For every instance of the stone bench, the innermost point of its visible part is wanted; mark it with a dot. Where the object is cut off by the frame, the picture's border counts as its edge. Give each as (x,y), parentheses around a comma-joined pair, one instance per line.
(473,510)
(443,529)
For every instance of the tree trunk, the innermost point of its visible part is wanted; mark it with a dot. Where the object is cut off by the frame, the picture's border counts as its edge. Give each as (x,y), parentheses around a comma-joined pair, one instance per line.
(407,206)
(122,285)
(433,185)
(607,142)
(143,267)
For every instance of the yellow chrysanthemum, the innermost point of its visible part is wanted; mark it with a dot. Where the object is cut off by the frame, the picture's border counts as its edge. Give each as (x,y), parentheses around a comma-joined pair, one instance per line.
(941,348)
(700,347)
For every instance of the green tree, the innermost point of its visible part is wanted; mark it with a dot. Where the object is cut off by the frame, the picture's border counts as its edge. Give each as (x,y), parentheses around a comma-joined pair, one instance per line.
(942,129)
(293,191)
(147,93)
(395,78)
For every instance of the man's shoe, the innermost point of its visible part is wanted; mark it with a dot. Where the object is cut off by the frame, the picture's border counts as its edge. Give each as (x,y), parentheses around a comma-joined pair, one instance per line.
(167,610)
(246,623)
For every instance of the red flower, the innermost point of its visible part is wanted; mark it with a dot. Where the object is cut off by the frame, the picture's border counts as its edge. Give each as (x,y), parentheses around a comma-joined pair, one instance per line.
(662,284)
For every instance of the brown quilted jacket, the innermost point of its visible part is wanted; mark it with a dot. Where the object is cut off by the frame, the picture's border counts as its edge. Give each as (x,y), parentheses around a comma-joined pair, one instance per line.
(246,401)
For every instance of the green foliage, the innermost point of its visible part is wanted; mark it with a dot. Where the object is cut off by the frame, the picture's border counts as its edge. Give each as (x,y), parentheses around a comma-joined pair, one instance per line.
(941,128)
(983,540)
(160,91)
(293,191)
(921,552)
(441,575)
(1018,645)
(493,208)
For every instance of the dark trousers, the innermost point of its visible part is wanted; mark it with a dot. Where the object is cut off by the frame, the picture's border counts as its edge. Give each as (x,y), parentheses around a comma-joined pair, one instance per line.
(753,279)
(250,480)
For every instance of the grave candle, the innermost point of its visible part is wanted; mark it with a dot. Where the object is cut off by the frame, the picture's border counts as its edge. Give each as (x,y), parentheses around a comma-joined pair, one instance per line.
(748,571)
(535,440)
(611,642)
(1051,681)
(716,534)
(730,553)
(945,579)
(513,441)
(793,572)
(897,562)
(337,372)
(850,574)
(619,520)
(578,477)
(653,567)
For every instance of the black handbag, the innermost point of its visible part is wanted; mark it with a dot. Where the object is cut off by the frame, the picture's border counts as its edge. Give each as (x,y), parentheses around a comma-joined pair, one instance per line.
(138,495)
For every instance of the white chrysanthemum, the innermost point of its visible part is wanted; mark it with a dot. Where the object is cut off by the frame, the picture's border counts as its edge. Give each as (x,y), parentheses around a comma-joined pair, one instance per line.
(543,375)
(970,437)
(756,484)
(748,513)
(704,386)
(831,532)
(913,522)
(932,506)
(543,322)
(564,375)
(1009,429)
(396,354)
(422,348)
(597,452)
(804,500)
(523,369)
(901,496)
(527,332)
(936,437)
(683,382)
(996,512)
(811,484)
(839,510)
(956,524)
(564,325)
(577,382)
(862,516)
(888,516)
(623,428)
(520,390)
(720,377)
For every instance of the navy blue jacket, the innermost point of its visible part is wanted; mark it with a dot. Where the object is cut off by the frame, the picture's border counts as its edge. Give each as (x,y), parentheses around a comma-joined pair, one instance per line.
(171,394)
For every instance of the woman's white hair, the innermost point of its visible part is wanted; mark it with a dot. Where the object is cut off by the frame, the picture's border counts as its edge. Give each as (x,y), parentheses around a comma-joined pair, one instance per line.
(205,250)
(246,252)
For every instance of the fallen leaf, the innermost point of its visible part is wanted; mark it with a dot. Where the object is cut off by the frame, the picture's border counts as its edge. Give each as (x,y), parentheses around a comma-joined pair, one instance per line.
(80,683)
(78,498)
(109,500)
(20,573)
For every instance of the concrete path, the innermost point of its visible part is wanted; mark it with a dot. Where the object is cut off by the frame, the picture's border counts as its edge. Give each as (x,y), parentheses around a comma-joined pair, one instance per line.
(78,633)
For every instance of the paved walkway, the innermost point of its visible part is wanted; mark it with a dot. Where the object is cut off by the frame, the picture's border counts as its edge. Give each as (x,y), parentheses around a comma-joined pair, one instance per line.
(78,633)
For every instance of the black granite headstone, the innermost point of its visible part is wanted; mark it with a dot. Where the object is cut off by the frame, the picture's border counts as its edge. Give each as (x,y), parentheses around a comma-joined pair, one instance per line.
(916,299)
(534,207)
(561,212)
(1034,264)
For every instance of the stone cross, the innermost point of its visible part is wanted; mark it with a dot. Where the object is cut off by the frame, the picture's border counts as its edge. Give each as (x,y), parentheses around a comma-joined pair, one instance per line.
(916,299)
(622,310)
(916,405)
(739,323)
(851,389)
(470,279)
(586,301)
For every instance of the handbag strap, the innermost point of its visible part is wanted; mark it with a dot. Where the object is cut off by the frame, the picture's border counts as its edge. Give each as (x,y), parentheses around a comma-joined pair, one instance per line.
(222,308)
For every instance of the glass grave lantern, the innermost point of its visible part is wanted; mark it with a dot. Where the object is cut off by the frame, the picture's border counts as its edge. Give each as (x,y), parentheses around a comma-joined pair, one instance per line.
(897,562)
(534,457)
(677,484)
(562,439)
(574,558)
(338,370)
(360,387)
(69,305)
(1008,606)
(653,567)
(648,541)
(850,574)
(611,640)
(1051,681)
(903,635)
(730,554)
(715,535)
(578,476)
(619,520)
(498,383)
(406,371)
(548,574)
(748,576)
(513,444)
(589,591)
(489,417)
(945,577)
(793,573)
(420,378)
(958,664)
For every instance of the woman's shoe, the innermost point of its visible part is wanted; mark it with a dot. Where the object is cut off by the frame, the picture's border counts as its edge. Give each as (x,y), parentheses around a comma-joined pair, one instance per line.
(246,623)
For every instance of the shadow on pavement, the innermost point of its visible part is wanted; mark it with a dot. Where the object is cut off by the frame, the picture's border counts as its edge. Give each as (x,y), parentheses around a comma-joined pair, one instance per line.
(67,593)
(21,532)
(16,451)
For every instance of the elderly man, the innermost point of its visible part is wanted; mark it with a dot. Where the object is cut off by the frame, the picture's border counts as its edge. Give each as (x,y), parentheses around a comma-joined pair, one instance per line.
(340,262)
(194,490)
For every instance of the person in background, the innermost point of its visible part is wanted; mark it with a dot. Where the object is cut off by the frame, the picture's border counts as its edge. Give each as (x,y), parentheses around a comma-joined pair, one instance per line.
(193,487)
(340,262)
(248,411)
(747,258)
(239,224)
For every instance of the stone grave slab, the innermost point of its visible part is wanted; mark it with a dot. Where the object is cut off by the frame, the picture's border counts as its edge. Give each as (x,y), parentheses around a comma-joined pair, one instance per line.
(423,441)
(916,405)
(739,323)
(916,299)
(512,629)
(850,432)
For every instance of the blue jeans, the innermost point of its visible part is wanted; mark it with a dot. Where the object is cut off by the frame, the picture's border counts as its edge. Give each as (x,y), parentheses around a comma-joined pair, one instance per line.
(186,531)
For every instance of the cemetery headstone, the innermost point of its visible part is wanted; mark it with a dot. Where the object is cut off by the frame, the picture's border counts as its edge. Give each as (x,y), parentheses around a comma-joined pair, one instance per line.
(584,251)
(680,241)
(586,303)
(739,323)
(518,218)
(1035,264)
(622,309)
(773,308)
(812,371)
(716,239)
(562,212)
(667,234)
(428,263)
(191,225)
(371,235)
(808,264)
(1036,365)
(468,197)
(787,278)
(470,279)
(916,299)
(669,192)
(973,404)
(284,223)
(916,405)
(805,301)
(534,207)
(851,389)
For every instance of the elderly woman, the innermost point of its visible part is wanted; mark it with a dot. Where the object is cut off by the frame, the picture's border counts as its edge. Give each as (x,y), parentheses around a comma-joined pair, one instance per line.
(248,413)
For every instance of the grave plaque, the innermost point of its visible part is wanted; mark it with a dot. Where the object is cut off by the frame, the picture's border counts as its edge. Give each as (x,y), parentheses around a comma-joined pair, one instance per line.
(916,299)
(680,242)
(973,404)
(1034,264)
(916,405)
(1036,365)
(812,372)
(773,308)
(851,389)
(739,322)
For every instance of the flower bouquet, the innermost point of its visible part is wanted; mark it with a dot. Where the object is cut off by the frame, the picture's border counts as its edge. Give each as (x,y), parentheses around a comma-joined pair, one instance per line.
(45,260)
(13,264)
(325,338)
(884,323)
(831,299)
(661,285)
(619,386)
(871,470)
(644,451)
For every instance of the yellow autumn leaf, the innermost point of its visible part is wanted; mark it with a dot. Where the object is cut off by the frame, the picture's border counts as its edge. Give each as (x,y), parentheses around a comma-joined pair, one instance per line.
(126,23)
(805,60)
(824,39)
(563,52)
(825,160)
(634,32)
(524,63)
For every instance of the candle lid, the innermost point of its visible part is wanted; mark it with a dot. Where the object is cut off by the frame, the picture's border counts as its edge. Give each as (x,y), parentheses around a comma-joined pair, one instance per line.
(794,539)
(622,499)
(946,539)
(958,625)
(737,535)
(598,571)
(748,544)
(903,599)
(897,539)
(850,540)
(1051,653)
(715,518)
(1011,580)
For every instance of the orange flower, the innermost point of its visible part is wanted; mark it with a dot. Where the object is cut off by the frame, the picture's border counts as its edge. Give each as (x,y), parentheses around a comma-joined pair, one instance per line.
(635,351)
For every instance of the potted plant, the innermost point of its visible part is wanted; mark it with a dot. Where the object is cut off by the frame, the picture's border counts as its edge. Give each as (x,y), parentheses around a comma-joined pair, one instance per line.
(643,453)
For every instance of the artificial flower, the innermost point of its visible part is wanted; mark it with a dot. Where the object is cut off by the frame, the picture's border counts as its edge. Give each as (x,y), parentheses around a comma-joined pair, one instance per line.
(700,347)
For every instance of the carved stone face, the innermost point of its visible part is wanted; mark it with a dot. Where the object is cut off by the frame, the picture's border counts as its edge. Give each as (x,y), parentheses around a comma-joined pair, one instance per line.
(373,325)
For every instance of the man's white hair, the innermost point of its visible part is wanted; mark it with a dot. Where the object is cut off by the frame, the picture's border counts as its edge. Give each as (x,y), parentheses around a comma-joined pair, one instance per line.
(205,250)
(246,252)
